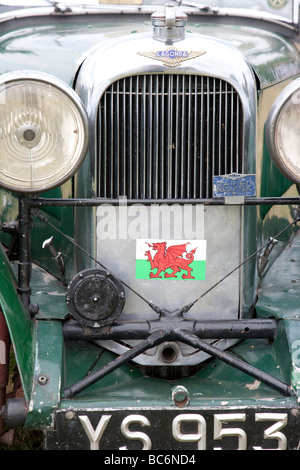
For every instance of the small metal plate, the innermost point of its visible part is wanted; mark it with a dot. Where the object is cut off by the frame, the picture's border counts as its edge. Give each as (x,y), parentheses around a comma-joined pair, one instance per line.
(234,185)
(174,429)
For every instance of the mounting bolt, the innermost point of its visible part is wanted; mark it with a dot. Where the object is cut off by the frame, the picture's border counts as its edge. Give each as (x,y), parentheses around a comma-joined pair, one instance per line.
(42,380)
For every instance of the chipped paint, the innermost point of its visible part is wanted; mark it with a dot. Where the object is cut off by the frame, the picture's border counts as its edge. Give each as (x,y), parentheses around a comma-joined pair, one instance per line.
(254,385)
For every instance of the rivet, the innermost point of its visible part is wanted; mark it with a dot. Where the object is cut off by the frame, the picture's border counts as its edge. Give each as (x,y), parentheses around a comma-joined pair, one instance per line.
(70,414)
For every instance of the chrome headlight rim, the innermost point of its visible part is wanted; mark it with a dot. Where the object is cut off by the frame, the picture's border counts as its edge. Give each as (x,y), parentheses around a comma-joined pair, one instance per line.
(70,96)
(291,93)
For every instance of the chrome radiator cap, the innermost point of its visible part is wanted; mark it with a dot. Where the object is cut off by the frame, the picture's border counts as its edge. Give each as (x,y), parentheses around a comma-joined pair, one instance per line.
(169,24)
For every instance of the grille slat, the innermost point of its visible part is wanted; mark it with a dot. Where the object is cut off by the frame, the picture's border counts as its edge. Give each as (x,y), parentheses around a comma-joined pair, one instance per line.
(166,136)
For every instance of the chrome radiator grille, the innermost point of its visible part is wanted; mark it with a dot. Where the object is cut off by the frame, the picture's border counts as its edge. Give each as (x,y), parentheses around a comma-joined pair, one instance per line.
(166,136)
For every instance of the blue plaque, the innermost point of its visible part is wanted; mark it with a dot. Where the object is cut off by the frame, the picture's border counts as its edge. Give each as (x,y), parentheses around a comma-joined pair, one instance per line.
(234,185)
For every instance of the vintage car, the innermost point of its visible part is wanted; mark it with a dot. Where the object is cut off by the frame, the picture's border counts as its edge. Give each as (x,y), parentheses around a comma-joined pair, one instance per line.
(150,245)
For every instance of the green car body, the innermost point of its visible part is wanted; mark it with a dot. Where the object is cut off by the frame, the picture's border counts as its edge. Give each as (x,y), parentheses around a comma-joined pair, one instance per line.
(82,383)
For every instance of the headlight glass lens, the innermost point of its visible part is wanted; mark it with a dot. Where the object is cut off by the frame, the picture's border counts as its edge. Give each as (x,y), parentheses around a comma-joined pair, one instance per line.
(42,135)
(283,132)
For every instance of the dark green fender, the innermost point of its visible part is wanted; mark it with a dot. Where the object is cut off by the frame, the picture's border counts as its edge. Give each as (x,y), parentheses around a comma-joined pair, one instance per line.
(37,346)
(20,326)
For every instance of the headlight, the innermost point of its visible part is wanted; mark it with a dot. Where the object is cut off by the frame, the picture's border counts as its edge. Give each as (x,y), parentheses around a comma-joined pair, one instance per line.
(283,131)
(43,132)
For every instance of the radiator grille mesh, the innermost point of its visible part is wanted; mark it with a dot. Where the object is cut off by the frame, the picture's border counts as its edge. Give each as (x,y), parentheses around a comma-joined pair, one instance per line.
(165,136)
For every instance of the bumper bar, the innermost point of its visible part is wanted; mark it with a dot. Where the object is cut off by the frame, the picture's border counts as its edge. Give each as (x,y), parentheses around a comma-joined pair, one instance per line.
(184,336)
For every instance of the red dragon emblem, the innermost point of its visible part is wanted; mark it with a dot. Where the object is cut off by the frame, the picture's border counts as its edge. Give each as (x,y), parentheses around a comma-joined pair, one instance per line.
(171,257)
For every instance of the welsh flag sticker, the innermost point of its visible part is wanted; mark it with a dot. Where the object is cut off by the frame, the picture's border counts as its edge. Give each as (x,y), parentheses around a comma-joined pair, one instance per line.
(171,259)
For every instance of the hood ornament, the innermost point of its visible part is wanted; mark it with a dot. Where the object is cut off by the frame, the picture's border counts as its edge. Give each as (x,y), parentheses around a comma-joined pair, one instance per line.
(171,56)
(169,24)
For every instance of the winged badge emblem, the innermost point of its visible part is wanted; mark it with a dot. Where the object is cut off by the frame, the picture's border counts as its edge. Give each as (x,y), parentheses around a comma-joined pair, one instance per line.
(172,57)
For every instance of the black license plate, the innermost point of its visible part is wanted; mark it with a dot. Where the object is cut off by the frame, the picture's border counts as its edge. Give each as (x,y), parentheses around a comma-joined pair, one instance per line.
(171,429)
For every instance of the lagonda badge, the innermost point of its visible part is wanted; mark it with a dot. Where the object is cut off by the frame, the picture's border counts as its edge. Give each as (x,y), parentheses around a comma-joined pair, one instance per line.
(172,57)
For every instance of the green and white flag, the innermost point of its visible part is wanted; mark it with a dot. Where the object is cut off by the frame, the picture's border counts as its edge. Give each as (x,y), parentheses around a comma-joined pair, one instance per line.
(171,259)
